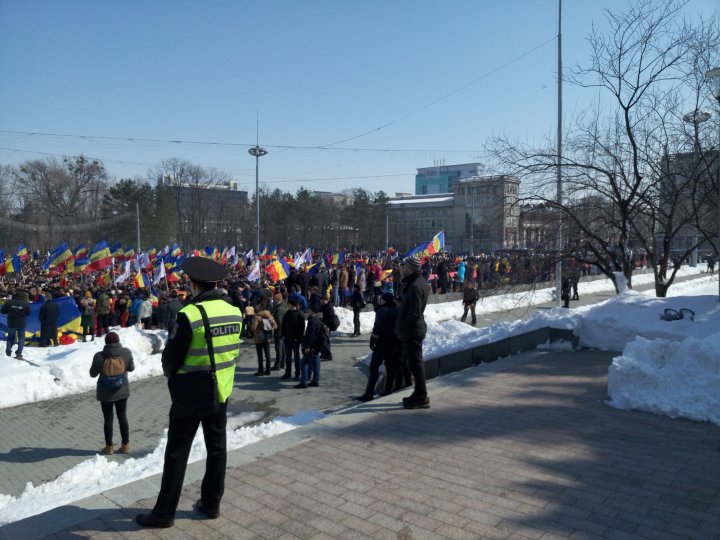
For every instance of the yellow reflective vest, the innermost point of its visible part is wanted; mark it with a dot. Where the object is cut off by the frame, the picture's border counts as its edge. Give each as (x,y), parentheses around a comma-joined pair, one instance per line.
(225,327)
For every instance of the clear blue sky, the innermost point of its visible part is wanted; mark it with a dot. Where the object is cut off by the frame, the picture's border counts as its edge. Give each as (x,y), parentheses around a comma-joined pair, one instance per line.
(315,71)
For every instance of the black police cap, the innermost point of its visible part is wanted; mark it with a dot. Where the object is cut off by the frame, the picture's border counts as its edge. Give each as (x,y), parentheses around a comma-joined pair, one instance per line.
(203,270)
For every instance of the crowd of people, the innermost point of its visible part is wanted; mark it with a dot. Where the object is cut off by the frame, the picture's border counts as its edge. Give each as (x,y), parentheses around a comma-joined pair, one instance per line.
(289,321)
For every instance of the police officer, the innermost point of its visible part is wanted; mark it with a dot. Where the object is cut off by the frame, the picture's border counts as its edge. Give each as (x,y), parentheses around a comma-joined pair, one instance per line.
(187,364)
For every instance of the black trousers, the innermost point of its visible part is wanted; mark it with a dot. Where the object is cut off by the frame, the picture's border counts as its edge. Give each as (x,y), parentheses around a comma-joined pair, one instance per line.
(356,321)
(387,355)
(412,356)
(48,333)
(103,324)
(279,351)
(263,350)
(471,308)
(120,407)
(180,437)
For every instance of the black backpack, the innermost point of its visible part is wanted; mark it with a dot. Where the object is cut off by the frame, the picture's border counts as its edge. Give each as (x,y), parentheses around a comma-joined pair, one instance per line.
(334,323)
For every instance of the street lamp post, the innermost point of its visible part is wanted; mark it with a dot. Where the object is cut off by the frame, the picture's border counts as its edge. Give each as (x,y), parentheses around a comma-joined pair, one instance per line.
(137,218)
(137,214)
(696,118)
(258,152)
(714,76)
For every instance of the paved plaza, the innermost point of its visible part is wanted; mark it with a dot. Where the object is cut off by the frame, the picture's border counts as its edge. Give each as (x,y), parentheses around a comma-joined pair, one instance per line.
(524,447)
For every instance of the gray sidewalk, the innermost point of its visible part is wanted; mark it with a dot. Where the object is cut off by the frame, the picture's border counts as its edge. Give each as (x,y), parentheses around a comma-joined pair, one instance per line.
(522,448)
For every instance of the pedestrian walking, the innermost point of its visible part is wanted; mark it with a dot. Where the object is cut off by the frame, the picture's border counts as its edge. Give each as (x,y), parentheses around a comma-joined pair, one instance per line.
(199,361)
(111,366)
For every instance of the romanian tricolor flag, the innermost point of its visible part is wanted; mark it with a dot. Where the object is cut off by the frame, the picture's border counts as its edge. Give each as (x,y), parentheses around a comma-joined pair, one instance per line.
(58,256)
(152,253)
(129,253)
(12,264)
(105,280)
(80,252)
(141,280)
(210,252)
(22,253)
(272,253)
(100,257)
(173,275)
(338,258)
(154,297)
(278,270)
(437,244)
(68,319)
(2,262)
(80,266)
(116,251)
(175,250)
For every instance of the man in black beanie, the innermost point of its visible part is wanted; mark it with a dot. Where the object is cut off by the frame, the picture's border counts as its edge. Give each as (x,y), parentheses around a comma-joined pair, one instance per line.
(411,328)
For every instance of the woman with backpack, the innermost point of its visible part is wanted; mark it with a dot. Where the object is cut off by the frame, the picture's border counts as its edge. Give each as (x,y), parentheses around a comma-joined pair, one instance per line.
(263,325)
(111,366)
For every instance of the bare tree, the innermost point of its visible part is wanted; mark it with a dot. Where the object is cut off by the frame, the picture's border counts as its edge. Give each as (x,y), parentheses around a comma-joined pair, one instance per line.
(60,201)
(615,187)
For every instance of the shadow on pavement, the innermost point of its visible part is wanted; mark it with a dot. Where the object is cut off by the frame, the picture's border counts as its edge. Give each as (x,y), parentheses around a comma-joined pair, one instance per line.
(26,454)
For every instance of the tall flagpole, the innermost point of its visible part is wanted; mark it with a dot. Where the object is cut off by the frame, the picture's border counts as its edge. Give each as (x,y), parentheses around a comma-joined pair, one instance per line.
(559,240)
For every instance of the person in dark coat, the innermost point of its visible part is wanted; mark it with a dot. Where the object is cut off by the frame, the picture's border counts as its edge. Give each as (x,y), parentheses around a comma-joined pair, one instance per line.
(112,392)
(384,344)
(357,303)
(304,281)
(311,344)
(411,329)
(17,310)
(328,314)
(279,307)
(292,328)
(48,316)
(170,310)
(470,298)
(565,288)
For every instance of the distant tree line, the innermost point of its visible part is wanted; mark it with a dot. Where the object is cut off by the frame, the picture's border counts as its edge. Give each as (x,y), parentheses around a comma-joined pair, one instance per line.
(45,202)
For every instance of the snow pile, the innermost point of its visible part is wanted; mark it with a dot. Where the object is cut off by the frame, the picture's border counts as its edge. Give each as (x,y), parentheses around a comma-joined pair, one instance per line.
(672,378)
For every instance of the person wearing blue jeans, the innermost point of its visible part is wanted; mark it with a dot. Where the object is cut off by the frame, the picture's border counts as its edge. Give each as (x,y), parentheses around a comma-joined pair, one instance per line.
(311,343)
(17,309)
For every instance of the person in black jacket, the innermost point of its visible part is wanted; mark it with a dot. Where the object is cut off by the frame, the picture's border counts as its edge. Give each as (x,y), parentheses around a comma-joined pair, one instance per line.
(384,344)
(311,344)
(48,316)
(292,329)
(411,329)
(17,309)
(470,298)
(328,314)
(565,288)
(357,303)
(113,393)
